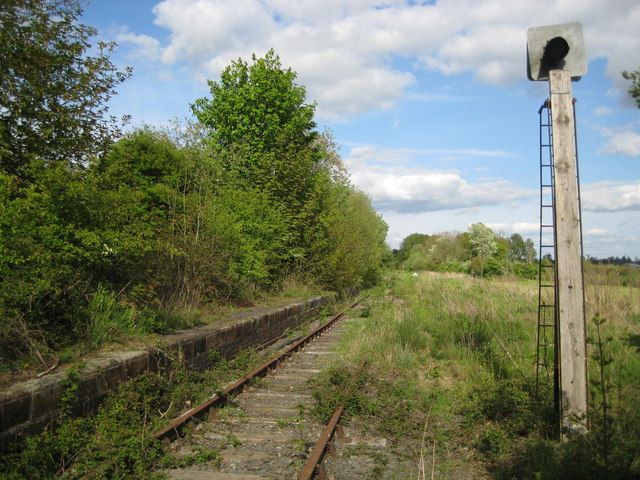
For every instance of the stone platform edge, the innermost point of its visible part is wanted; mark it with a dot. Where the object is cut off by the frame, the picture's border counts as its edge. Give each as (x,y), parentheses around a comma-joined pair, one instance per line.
(29,406)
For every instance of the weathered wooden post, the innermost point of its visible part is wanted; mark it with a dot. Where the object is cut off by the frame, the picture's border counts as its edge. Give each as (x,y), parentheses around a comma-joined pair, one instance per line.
(556,53)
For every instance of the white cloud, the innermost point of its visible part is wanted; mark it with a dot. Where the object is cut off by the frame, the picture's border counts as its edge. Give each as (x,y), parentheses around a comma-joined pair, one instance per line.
(611,196)
(205,29)
(144,47)
(344,51)
(376,155)
(621,141)
(611,233)
(597,232)
(516,227)
(602,111)
(415,189)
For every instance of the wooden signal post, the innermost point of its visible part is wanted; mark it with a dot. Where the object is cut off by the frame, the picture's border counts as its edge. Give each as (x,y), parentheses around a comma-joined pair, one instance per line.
(548,50)
(572,356)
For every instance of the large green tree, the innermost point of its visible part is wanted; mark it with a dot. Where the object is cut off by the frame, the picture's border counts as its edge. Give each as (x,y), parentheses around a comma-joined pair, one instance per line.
(258,104)
(262,130)
(408,244)
(259,117)
(53,89)
(517,248)
(483,243)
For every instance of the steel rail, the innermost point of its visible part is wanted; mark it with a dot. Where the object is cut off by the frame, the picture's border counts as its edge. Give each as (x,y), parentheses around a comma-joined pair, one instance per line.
(174,429)
(313,465)
(316,457)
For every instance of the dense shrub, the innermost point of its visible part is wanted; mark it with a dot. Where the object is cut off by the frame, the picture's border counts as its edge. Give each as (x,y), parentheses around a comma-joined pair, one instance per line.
(525,270)
(173,219)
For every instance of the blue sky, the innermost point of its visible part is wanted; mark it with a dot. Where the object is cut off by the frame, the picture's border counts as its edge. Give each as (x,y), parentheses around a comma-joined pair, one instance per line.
(428,100)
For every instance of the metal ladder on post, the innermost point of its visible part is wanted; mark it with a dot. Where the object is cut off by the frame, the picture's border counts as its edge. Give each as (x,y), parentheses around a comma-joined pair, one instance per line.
(547,331)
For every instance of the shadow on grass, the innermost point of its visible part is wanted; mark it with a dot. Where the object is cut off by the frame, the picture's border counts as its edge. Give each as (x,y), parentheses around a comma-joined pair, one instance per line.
(633,340)
(536,458)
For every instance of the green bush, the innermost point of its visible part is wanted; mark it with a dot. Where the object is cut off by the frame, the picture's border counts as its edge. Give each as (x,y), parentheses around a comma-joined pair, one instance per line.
(494,267)
(456,266)
(344,238)
(416,261)
(526,270)
(492,442)
(175,220)
(510,403)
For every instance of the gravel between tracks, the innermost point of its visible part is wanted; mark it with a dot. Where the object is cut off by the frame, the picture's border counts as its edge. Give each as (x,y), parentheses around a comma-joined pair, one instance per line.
(266,433)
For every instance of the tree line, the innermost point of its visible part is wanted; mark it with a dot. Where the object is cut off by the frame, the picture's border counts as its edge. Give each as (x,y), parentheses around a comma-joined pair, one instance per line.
(478,251)
(97,226)
(623,260)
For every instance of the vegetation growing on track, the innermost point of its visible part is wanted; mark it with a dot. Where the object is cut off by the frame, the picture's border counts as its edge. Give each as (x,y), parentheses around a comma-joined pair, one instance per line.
(451,368)
(117,443)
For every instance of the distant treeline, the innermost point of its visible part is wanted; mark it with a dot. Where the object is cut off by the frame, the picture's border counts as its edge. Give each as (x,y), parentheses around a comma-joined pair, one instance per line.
(478,251)
(624,260)
(98,235)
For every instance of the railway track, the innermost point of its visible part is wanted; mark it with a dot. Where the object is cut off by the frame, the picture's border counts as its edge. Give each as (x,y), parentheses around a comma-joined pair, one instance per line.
(258,423)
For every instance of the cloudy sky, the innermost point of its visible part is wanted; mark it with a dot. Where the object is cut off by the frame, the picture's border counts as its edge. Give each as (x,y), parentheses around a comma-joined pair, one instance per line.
(428,100)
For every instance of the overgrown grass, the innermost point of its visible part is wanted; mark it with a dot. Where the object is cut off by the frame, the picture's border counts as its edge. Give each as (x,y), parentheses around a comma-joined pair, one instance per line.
(455,357)
(113,319)
(117,443)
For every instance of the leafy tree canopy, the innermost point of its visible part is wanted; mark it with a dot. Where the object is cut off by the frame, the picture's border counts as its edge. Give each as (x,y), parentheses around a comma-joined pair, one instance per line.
(408,243)
(483,240)
(258,105)
(264,133)
(52,93)
(517,248)
(634,89)
(483,243)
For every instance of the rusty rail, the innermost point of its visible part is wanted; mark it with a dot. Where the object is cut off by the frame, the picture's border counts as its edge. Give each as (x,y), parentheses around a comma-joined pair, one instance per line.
(173,430)
(314,465)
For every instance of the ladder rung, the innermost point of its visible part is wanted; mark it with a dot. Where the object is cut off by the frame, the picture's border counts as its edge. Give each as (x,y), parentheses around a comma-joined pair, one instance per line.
(547,266)
(547,285)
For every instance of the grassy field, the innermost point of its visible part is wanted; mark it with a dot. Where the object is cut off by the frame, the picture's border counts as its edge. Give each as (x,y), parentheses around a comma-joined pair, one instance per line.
(451,378)
(449,382)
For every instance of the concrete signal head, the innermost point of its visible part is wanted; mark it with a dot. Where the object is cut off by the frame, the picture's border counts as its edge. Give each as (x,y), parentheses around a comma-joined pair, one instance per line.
(555,47)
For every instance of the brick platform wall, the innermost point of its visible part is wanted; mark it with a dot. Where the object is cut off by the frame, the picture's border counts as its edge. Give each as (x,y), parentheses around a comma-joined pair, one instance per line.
(27,407)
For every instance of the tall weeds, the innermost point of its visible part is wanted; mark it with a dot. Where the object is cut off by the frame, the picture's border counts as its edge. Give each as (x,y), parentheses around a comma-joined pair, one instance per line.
(465,349)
